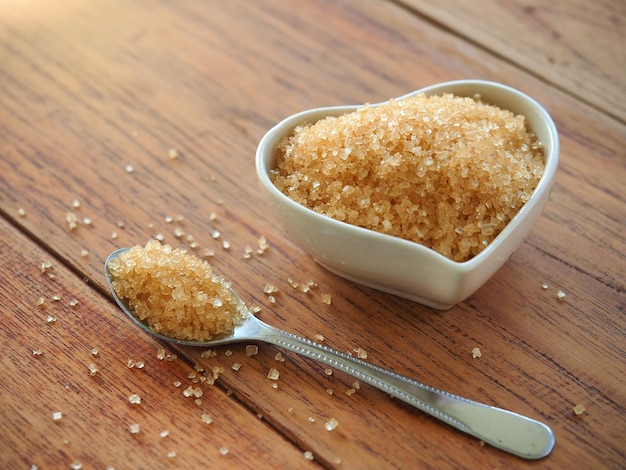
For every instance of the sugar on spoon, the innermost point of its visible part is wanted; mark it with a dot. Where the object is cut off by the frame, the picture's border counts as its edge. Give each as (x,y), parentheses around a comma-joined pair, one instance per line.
(505,430)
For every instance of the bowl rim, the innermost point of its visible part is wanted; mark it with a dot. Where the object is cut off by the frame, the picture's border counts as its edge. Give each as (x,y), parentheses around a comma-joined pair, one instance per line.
(265,154)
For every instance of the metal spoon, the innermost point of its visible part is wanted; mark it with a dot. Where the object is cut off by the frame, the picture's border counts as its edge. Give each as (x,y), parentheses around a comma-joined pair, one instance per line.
(505,430)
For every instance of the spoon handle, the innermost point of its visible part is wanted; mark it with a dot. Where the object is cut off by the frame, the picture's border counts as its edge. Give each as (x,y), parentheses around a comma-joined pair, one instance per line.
(505,430)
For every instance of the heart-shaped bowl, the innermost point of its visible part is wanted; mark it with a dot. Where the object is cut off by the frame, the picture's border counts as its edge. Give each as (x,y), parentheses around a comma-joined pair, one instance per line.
(392,264)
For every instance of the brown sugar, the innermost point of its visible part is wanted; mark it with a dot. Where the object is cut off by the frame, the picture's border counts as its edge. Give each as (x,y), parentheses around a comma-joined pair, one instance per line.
(443,171)
(174,293)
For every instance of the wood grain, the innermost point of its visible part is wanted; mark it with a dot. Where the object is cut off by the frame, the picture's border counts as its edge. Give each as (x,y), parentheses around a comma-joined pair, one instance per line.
(576,46)
(91,88)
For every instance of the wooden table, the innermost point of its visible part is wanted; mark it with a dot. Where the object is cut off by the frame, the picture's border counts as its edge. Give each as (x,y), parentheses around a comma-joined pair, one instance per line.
(141,119)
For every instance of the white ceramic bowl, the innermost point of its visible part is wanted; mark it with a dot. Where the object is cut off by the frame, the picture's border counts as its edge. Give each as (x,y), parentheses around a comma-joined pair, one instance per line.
(399,266)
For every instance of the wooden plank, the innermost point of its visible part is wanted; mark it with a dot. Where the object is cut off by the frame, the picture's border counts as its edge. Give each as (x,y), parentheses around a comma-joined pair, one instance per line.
(577,46)
(90,88)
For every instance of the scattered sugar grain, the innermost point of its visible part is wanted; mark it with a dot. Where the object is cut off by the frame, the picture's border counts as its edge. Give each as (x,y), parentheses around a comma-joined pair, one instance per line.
(129,168)
(262,245)
(71,220)
(86,221)
(171,454)
(94,352)
(206,418)
(331,424)
(21,212)
(93,369)
(319,338)
(224,451)
(76,465)
(37,352)
(51,319)
(443,171)
(328,371)
(163,355)
(172,153)
(252,350)
(311,419)
(40,301)
(254,308)
(57,416)
(164,433)
(544,286)
(134,428)
(308,455)
(236,366)
(134,399)
(476,353)
(326,298)
(579,409)
(270,288)
(360,353)
(273,374)
(356,385)
(560,295)
(73,303)
(279,357)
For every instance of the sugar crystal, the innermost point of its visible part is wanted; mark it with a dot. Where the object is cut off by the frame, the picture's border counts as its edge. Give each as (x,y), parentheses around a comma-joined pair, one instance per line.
(444,171)
(331,424)
(134,399)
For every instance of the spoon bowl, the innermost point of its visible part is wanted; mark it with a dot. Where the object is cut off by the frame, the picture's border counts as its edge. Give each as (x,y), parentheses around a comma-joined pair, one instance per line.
(505,430)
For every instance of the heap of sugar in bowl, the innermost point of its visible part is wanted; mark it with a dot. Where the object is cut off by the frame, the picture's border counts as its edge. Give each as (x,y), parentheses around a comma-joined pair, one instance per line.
(174,293)
(444,171)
